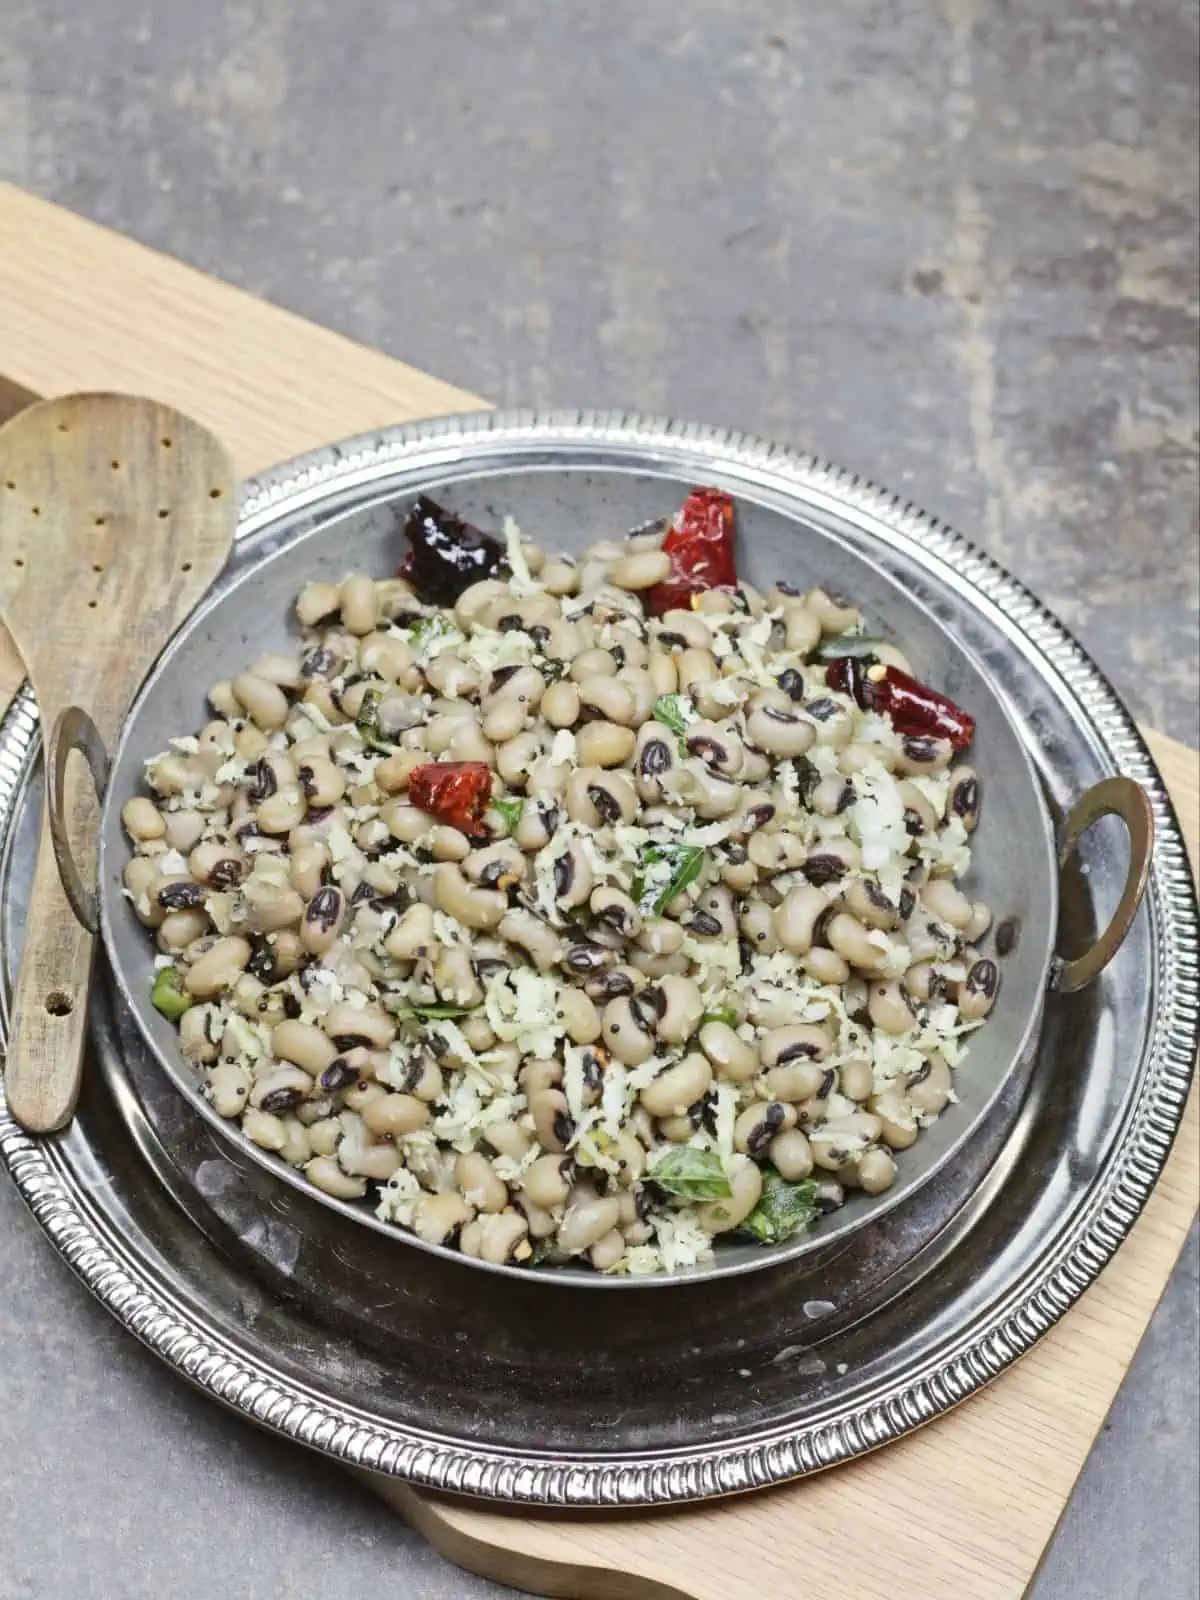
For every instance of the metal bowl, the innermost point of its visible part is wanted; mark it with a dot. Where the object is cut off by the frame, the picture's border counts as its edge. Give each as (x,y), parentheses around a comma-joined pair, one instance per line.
(565,490)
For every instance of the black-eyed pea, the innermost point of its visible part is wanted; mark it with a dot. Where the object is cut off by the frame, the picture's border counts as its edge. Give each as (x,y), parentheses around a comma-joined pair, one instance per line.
(663,673)
(876,1171)
(362,1094)
(533,935)
(840,1141)
(677,1088)
(359,605)
(270,907)
(659,936)
(516,757)
(325,1174)
(794,919)
(197,1026)
(281,1088)
(352,1026)
(791,1155)
(307,866)
(981,921)
(223,700)
(920,754)
(391,1116)
(479,1184)
(605,744)
(439,1218)
(297,1146)
(559,576)
(962,801)
(184,829)
(834,614)
(454,977)
(545,1182)
(826,966)
(316,603)
(856,1080)
(280,812)
(322,919)
(654,760)
(757,924)
(412,938)
(695,666)
(392,773)
(218,865)
(265,1130)
(680,1009)
(504,719)
(142,819)
(978,990)
(794,1042)
(930,1087)
(218,969)
(551,1119)
(324,1136)
(629,1154)
(596,797)
(608,697)
(873,908)
(178,929)
(795,1081)
(171,774)
(745,1182)
(758,1125)
(473,907)
(228,1087)
(919,816)
(304,1045)
(607,1250)
(945,901)
(779,733)
(589,1217)
(898,1124)
(140,877)
(323,783)
(676,1130)
(733,1060)
(888,1007)
(264,702)
(539,1072)
(641,570)
(542,1224)
(627,1025)
(853,943)
(579,1016)
(561,704)
(802,629)
(855,757)
(497,1238)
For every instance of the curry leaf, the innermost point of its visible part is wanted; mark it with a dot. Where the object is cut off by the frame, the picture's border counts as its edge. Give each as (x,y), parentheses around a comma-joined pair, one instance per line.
(691,1174)
(784,1209)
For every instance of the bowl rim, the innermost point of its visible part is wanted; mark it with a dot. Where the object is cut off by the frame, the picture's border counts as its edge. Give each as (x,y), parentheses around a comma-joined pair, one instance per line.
(316,483)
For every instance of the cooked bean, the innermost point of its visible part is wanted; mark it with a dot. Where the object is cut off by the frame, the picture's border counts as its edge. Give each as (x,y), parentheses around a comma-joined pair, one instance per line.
(497,1238)
(561,705)
(779,733)
(264,1129)
(898,1125)
(947,903)
(438,1218)
(626,1026)
(888,1007)
(977,993)
(856,1080)
(181,928)
(826,966)
(842,1139)
(545,1182)
(596,797)
(480,1186)
(719,1216)
(322,921)
(734,1060)
(981,921)
(580,1017)
(798,1041)
(677,1087)
(218,969)
(228,1089)
(142,820)
(851,940)
(791,1155)
(350,1026)
(265,702)
(515,758)
(588,1218)
(758,1125)
(303,1044)
(876,1171)
(281,811)
(795,1081)
(551,1119)
(962,800)
(604,744)
(641,571)
(682,1009)
(867,901)
(795,918)
(529,933)
(607,1250)
(472,906)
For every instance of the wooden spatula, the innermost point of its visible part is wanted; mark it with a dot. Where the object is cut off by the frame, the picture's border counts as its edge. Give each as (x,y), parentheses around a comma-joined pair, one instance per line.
(115,516)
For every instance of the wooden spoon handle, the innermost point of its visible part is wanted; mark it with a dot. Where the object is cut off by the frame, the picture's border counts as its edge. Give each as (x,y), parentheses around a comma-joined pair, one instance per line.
(49,1023)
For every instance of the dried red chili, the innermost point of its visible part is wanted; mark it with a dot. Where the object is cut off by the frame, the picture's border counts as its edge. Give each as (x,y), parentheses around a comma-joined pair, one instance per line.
(700,545)
(913,708)
(455,792)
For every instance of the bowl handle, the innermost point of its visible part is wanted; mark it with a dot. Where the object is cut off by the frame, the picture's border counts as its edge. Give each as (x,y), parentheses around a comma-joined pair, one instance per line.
(1111,797)
(73,730)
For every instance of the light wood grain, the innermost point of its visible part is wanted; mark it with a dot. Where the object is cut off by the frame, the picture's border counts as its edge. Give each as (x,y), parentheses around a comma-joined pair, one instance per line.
(961,1511)
(84,308)
(116,514)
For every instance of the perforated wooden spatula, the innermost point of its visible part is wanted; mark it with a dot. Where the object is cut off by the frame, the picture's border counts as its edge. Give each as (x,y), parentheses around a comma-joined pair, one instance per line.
(115,516)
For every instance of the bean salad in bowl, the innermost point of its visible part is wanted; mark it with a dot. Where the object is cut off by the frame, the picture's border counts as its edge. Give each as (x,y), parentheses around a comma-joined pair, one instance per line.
(572,909)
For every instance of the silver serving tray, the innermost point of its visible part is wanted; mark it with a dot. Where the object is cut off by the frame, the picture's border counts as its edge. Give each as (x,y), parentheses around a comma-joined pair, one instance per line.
(419,1367)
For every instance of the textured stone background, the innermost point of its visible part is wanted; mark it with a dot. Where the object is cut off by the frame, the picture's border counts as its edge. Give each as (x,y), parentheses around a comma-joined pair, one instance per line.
(952,245)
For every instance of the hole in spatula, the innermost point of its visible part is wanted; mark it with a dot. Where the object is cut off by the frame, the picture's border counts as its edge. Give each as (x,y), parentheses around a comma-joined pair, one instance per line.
(59,1003)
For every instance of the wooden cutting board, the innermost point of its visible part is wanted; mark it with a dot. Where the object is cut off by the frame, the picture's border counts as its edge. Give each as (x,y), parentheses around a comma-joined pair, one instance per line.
(83,308)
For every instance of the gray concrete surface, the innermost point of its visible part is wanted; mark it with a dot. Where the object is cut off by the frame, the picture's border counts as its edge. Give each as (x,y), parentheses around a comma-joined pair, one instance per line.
(952,245)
